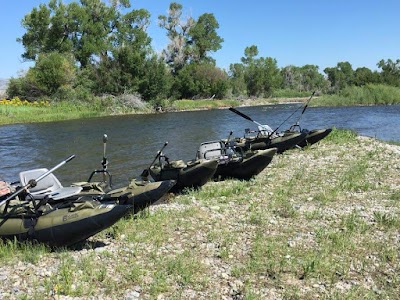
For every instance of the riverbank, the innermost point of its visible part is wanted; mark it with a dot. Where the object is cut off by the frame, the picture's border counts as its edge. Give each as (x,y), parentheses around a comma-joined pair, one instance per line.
(13,114)
(23,112)
(316,223)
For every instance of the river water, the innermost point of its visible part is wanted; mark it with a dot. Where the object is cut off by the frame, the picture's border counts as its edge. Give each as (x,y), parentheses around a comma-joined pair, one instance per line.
(133,141)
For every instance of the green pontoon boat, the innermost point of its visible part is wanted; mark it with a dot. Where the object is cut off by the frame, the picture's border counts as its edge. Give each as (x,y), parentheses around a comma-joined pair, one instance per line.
(282,141)
(266,138)
(312,136)
(59,224)
(190,174)
(234,161)
(139,194)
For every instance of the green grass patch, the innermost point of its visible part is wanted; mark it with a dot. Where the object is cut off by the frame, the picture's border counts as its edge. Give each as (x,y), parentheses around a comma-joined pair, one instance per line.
(341,136)
(203,104)
(288,93)
(371,94)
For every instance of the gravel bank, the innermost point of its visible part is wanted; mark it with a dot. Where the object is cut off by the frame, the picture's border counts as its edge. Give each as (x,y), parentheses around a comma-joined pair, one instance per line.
(316,223)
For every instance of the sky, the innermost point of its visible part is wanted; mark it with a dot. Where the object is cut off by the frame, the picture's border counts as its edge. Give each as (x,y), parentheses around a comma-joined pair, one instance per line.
(294,32)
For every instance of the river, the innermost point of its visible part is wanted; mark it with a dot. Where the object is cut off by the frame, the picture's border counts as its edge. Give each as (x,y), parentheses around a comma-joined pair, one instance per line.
(133,140)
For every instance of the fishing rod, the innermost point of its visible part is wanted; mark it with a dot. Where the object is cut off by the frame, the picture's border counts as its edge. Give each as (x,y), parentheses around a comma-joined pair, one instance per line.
(145,172)
(304,109)
(33,183)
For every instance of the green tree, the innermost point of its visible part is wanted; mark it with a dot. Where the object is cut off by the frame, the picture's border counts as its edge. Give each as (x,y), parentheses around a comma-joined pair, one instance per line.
(112,48)
(204,38)
(196,81)
(190,40)
(261,75)
(156,80)
(390,73)
(52,75)
(81,29)
(340,76)
(236,79)
(176,54)
(364,76)
(311,79)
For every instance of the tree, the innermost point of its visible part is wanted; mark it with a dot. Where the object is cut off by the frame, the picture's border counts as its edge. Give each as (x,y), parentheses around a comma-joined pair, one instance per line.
(236,78)
(364,76)
(112,49)
(204,38)
(176,54)
(82,30)
(53,73)
(190,40)
(390,73)
(204,80)
(249,55)
(340,76)
(261,74)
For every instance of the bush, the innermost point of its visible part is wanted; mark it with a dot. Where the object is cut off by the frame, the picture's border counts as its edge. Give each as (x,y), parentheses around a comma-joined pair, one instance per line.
(196,81)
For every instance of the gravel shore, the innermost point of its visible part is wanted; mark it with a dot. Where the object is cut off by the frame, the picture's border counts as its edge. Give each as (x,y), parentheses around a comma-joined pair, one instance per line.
(318,223)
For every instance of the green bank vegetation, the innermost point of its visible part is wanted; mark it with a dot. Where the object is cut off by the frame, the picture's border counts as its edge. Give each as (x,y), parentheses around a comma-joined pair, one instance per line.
(370,94)
(316,223)
(26,112)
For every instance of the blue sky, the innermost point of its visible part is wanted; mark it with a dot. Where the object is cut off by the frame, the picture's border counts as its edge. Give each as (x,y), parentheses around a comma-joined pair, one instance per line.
(294,32)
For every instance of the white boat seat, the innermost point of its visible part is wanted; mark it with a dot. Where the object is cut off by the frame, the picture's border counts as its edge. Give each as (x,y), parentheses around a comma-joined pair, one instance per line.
(211,150)
(265,129)
(48,186)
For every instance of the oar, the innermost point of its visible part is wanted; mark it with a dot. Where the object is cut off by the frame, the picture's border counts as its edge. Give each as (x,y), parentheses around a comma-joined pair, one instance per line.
(33,182)
(250,119)
(244,116)
(145,172)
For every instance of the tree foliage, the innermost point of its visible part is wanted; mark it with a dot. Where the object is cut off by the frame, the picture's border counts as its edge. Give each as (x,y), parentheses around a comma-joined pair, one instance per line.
(390,71)
(303,79)
(95,47)
(261,75)
(204,80)
(191,40)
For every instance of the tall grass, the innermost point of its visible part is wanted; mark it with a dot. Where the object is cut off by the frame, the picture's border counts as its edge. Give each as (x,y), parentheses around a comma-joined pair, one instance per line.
(202,104)
(67,110)
(371,94)
(288,93)
(55,112)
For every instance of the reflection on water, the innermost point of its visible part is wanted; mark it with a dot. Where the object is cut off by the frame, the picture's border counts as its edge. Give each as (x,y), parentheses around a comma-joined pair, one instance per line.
(134,140)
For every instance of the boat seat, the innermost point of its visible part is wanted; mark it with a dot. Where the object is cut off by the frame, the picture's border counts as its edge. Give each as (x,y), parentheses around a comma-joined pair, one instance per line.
(48,186)
(211,150)
(265,129)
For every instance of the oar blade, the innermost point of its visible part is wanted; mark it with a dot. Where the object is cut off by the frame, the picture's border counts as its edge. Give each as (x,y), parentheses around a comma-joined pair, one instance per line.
(240,114)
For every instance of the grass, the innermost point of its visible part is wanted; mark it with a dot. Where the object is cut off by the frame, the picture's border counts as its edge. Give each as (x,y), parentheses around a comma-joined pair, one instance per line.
(371,94)
(55,112)
(316,223)
(202,104)
(130,104)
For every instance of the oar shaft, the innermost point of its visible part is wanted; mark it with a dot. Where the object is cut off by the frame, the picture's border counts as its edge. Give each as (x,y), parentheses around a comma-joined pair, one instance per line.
(29,184)
(244,116)
(54,168)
